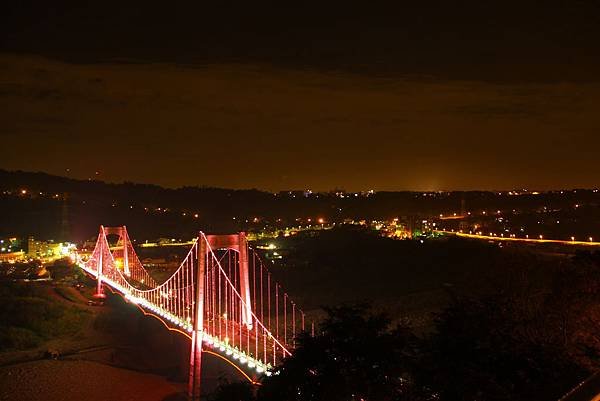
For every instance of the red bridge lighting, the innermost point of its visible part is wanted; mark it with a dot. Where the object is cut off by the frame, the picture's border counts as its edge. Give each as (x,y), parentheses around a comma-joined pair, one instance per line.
(221,297)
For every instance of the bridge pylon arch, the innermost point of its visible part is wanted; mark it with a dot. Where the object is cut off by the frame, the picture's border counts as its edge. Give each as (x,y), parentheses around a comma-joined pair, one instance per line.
(206,244)
(239,243)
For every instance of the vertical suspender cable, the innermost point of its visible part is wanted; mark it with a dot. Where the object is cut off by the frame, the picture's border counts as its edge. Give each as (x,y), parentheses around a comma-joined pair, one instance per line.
(294,322)
(262,317)
(277,310)
(284,318)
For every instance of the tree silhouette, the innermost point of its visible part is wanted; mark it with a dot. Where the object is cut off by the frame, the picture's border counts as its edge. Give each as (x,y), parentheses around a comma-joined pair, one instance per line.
(489,349)
(356,356)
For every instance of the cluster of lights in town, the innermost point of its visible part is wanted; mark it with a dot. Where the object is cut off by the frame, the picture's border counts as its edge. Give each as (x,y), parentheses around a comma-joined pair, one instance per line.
(222,346)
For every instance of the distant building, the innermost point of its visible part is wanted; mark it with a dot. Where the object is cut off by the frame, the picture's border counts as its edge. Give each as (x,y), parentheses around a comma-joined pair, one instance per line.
(11,256)
(47,249)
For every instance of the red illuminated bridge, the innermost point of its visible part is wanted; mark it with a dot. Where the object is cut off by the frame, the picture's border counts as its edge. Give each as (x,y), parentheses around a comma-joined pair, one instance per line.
(221,296)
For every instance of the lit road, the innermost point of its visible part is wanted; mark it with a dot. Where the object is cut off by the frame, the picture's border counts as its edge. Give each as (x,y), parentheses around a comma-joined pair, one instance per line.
(516,239)
(589,390)
(156,244)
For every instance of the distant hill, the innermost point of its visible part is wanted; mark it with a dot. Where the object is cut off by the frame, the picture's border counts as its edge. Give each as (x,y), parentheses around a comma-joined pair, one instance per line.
(48,206)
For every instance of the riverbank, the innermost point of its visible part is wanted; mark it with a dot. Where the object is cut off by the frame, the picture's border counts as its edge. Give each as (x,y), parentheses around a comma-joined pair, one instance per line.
(50,380)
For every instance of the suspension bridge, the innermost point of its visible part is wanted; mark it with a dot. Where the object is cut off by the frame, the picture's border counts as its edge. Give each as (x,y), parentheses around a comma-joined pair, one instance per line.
(222,297)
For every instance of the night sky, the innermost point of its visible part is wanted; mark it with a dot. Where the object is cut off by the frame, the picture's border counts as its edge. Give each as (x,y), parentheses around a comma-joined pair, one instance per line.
(422,95)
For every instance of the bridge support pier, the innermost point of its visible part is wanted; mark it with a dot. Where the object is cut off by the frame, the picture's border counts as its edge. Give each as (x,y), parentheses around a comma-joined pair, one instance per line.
(198,329)
(245,280)
(125,255)
(99,290)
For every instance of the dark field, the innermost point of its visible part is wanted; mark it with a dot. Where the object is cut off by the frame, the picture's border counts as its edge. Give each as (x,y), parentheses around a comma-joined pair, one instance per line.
(409,279)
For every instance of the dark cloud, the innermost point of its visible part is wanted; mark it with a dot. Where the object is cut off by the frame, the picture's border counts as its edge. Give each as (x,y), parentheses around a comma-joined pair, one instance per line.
(495,40)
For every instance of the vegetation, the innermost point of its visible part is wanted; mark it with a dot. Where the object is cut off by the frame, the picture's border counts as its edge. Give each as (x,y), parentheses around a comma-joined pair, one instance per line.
(68,294)
(62,269)
(357,355)
(240,391)
(30,316)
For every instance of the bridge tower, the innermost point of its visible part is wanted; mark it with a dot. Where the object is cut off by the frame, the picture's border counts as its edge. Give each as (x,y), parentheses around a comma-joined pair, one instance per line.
(125,241)
(207,243)
(121,231)
(99,290)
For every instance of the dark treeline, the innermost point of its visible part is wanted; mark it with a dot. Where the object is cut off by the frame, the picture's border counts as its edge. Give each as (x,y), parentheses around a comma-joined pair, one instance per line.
(73,209)
(278,33)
